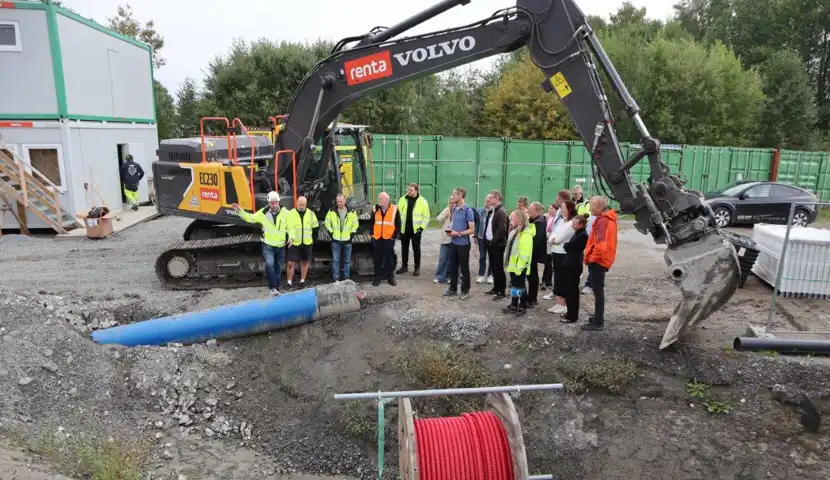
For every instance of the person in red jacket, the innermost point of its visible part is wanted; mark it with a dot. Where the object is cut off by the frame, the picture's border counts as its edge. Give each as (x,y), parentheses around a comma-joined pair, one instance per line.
(600,253)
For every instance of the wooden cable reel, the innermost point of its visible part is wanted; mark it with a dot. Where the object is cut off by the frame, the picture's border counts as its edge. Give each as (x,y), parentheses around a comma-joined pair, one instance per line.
(499,404)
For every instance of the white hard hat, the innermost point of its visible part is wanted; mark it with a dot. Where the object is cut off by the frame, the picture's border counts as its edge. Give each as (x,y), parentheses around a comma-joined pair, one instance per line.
(273,197)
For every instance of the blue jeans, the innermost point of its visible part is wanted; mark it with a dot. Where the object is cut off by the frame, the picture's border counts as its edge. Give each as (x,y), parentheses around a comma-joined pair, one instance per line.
(443,270)
(482,259)
(274,258)
(336,249)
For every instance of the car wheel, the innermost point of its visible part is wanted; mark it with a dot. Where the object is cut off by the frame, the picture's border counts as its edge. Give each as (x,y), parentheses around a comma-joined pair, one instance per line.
(723,217)
(801,218)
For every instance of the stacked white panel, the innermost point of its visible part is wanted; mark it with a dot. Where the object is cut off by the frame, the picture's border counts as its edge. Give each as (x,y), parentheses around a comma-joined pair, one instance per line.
(806,272)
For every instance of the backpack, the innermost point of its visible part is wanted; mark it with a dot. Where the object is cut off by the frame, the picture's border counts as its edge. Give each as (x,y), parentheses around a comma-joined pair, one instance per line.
(476,218)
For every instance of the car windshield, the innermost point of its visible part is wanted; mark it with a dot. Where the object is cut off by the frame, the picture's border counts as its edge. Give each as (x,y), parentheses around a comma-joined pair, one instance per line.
(730,189)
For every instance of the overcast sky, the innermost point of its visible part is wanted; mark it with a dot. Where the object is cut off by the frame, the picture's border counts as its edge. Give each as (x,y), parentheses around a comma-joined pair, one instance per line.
(196,31)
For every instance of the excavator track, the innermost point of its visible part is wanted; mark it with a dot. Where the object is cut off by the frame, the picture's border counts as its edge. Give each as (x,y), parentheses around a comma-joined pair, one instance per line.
(237,262)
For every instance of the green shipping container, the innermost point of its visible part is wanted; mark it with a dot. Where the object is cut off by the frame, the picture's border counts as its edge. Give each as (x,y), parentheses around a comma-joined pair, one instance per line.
(807,170)
(539,169)
(458,159)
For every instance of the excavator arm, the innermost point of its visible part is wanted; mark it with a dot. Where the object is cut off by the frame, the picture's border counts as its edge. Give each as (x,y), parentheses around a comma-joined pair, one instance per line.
(701,261)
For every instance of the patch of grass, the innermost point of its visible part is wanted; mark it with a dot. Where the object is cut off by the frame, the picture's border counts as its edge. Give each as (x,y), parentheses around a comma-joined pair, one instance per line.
(700,390)
(769,353)
(612,376)
(92,457)
(438,366)
(442,366)
(717,406)
(358,420)
(697,389)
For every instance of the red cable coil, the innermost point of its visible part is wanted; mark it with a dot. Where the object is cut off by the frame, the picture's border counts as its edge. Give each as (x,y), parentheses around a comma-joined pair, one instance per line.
(470,447)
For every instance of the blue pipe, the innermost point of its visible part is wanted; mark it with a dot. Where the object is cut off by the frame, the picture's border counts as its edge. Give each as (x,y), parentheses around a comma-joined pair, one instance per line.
(242,319)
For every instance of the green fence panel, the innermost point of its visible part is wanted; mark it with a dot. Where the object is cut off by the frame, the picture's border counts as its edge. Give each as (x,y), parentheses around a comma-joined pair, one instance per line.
(706,168)
(420,165)
(492,154)
(458,158)
(557,171)
(386,163)
(539,169)
(823,184)
(525,160)
(802,169)
(750,164)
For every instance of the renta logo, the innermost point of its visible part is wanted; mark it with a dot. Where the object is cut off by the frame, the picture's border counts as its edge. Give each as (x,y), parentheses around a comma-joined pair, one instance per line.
(211,194)
(438,50)
(365,69)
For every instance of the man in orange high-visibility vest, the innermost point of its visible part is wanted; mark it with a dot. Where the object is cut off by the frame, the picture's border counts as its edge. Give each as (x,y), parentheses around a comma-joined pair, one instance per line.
(387,226)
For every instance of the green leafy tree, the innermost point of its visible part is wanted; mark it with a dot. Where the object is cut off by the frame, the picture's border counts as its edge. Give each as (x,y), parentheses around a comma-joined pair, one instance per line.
(256,80)
(758,29)
(516,106)
(187,109)
(789,112)
(397,109)
(688,92)
(165,112)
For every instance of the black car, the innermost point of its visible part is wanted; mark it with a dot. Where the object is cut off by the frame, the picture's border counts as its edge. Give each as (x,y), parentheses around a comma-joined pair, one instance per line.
(748,202)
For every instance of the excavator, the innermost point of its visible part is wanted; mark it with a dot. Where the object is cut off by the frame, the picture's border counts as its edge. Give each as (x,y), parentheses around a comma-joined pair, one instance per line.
(700,258)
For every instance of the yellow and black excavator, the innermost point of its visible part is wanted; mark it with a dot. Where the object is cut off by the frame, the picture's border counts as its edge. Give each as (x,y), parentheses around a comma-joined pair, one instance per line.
(701,260)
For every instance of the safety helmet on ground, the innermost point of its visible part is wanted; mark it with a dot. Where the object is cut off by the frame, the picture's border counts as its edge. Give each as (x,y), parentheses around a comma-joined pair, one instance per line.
(273,197)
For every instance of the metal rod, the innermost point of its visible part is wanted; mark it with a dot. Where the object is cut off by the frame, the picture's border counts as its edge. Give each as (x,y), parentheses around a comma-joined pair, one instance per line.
(631,107)
(448,391)
(540,477)
(781,264)
(416,19)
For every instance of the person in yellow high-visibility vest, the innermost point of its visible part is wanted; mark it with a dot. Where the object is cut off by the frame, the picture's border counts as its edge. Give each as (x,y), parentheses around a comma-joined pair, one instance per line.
(302,228)
(274,237)
(583,206)
(518,257)
(341,222)
(414,210)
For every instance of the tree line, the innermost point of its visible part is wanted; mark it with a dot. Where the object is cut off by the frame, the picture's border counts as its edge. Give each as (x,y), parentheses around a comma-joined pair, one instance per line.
(719,72)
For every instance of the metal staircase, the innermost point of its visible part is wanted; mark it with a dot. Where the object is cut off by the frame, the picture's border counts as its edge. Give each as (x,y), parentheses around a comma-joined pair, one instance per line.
(32,190)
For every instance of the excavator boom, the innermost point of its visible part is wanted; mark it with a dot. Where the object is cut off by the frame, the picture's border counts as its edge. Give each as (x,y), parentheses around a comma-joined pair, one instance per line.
(562,44)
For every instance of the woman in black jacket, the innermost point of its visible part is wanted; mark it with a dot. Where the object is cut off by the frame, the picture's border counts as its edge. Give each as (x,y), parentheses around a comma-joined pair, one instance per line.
(572,267)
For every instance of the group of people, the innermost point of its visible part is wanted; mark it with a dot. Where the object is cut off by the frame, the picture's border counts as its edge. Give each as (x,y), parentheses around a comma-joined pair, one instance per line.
(290,233)
(573,233)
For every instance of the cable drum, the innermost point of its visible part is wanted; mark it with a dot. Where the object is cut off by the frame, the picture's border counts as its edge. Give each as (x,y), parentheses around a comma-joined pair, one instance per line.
(485,445)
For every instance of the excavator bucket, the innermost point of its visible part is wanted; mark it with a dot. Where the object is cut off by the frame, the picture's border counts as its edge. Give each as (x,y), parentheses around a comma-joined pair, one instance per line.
(708,274)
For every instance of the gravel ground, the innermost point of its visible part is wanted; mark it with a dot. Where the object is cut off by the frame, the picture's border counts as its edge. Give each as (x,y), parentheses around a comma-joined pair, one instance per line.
(261,407)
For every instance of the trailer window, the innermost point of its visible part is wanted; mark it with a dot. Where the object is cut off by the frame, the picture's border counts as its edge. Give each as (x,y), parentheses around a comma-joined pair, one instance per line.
(47,162)
(10,37)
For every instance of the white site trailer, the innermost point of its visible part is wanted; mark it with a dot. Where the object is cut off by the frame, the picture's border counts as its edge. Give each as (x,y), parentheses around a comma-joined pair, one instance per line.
(76,98)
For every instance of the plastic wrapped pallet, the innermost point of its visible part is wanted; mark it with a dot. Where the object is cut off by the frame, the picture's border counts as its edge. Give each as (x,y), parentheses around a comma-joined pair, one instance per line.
(806,272)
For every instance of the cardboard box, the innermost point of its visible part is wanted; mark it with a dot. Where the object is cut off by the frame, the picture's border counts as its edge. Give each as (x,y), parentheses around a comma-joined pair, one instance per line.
(100,227)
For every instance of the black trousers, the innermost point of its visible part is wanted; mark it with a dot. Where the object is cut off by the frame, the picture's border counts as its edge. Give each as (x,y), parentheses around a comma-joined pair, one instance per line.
(518,281)
(558,274)
(415,239)
(496,254)
(533,282)
(460,259)
(384,254)
(547,274)
(572,274)
(597,274)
